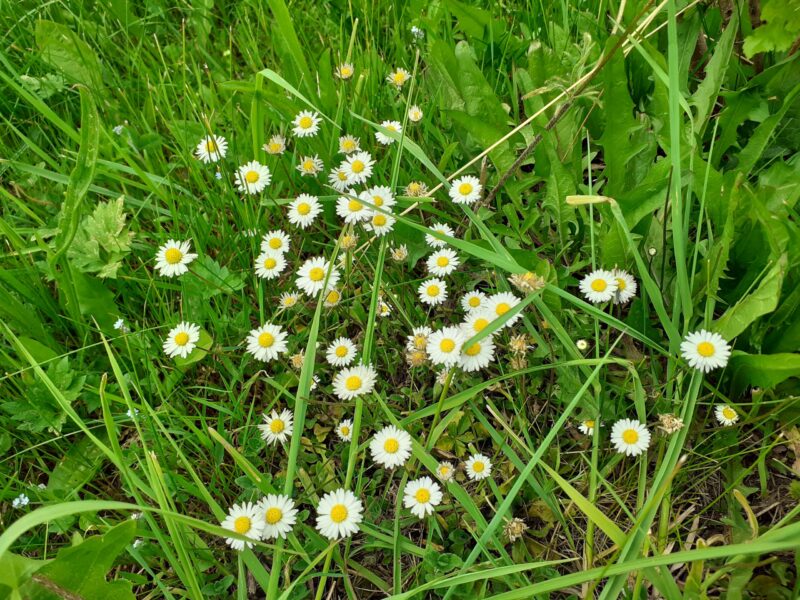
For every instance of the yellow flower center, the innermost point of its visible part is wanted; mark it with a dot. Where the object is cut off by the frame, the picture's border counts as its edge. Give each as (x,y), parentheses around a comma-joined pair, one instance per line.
(399,78)
(341,175)
(346,71)
(728,413)
(357,166)
(465,189)
(620,284)
(341,351)
(348,145)
(420,342)
(173,256)
(266,339)
(414,187)
(242,525)
(377,200)
(630,436)
(355,206)
(316,274)
(332,297)
(251,176)
(182,338)
(275,243)
(480,324)
(705,349)
(304,208)
(308,165)
(270,263)
(391,127)
(447,345)
(379,220)
(275,147)
(478,466)
(474,302)
(345,430)
(274,515)
(353,383)
(391,445)
(442,261)
(599,285)
(589,423)
(444,470)
(432,291)
(305,122)
(422,496)
(502,308)
(473,350)
(211,146)
(277,426)
(338,513)
(289,301)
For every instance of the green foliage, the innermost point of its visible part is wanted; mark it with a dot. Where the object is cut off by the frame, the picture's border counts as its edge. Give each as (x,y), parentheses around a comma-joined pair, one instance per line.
(780,28)
(102,241)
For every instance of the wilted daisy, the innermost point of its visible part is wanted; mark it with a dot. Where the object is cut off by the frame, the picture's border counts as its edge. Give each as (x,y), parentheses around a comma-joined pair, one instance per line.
(354,381)
(432,291)
(441,228)
(358,167)
(415,114)
(474,300)
(245,519)
(630,437)
(465,190)
(380,196)
(444,346)
(478,467)
(332,298)
(422,496)
(279,515)
(338,514)
(442,262)
(344,71)
(172,258)
(266,342)
(416,189)
(309,166)
(477,355)
(275,241)
(705,351)
(445,471)
(349,144)
(270,264)
(399,253)
(626,286)
(398,77)
(338,178)
(587,426)
(288,300)
(345,430)
(211,148)
(380,224)
(341,352)
(306,123)
(500,304)
(311,276)
(351,209)
(418,340)
(725,414)
(181,339)
(599,286)
(275,145)
(252,177)
(303,210)
(393,126)
(390,447)
(416,358)
(277,427)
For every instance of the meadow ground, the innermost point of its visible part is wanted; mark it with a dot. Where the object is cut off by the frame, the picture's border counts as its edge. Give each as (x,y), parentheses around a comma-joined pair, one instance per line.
(412,299)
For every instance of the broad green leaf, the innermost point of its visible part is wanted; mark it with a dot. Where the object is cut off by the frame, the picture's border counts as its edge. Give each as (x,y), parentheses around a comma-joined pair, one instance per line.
(706,94)
(77,468)
(61,48)
(779,29)
(762,370)
(102,240)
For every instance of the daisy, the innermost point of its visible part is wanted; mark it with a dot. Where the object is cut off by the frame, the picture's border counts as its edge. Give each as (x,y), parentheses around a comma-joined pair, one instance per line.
(477,355)
(303,210)
(416,189)
(418,340)
(344,71)
(172,258)
(266,342)
(275,145)
(309,166)
(398,77)
(384,139)
(338,179)
(500,304)
(380,224)
(475,300)
(384,309)
(288,300)
(252,177)
(349,144)
(279,515)
(476,322)
(380,196)
(275,241)
(399,253)
(351,209)
(441,228)
(332,298)
(725,414)
(433,292)
(181,340)
(444,346)
(245,519)
(277,427)
(270,264)
(478,467)
(422,496)
(358,167)
(442,262)
(345,430)
(390,447)
(465,190)
(354,381)
(341,352)
(705,351)
(338,514)
(306,123)
(599,286)
(211,148)
(445,471)
(626,286)
(587,427)
(630,437)
(415,114)
(311,276)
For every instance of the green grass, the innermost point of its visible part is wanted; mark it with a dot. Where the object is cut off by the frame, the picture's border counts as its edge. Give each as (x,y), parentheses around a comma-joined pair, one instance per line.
(633,135)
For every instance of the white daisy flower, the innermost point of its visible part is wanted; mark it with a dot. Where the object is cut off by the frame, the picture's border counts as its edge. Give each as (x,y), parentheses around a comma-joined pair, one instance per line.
(358,167)
(288,300)
(705,351)
(311,276)
(252,177)
(354,381)
(344,71)
(390,447)
(444,346)
(345,430)
(340,352)
(465,190)
(630,437)
(380,224)
(275,145)
(211,148)
(418,340)
(338,179)
(279,516)
(181,340)
(441,228)
(384,309)
(351,209)
(380,196)
(477,355)
(587,426)
(476,321)
(349,144)
(338,514)
(172,258)
(277,427)
(500,304)
(398,77)
(474,300)
(478,467)
(392,126)
(303,210)
(267,342)
(270,264)
(432,291)
(422,496)
(442,262)
(306,123)
(725,414)
(310,166)
(599,286)
(445,471)
(332,298)
(415,114)
(275,241)
(626,286)
(245,519)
